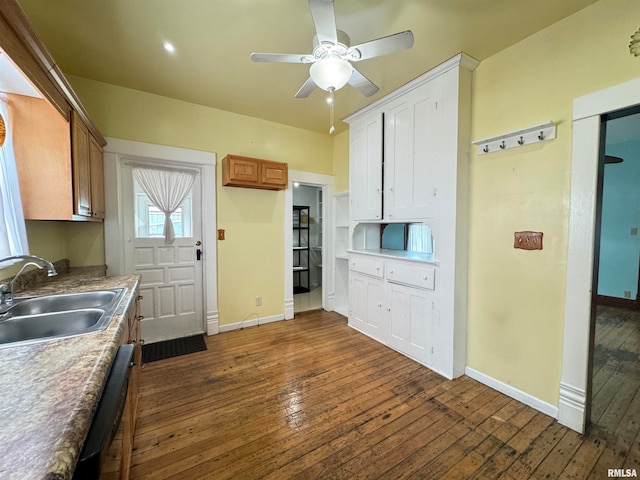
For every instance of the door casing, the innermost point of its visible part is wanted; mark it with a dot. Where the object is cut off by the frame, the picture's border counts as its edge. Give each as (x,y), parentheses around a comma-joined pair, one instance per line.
(587,111)
(118,151)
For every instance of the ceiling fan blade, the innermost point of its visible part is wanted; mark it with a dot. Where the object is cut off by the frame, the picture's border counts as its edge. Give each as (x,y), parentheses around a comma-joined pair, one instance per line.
(381,46)
(282,57)
(362,84)
(324,19)
(306,89)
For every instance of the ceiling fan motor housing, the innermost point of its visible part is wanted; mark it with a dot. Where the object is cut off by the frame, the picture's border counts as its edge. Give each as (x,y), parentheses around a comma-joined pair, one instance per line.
(328,49)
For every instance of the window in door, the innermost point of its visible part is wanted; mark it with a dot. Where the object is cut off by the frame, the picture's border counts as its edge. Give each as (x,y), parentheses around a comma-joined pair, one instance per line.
(149,219)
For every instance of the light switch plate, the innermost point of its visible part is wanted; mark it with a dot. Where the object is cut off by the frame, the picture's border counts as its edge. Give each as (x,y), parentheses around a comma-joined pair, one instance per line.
(527,240)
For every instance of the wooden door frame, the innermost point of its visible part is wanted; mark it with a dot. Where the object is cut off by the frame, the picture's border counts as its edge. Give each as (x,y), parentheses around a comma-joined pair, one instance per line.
(587,112)
(115,153)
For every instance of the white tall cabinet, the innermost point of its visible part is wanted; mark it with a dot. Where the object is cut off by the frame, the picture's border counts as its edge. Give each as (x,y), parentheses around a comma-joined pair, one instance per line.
(409,164)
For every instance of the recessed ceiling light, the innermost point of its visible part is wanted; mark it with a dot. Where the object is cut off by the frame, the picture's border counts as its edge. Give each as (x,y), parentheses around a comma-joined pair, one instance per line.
(169,47)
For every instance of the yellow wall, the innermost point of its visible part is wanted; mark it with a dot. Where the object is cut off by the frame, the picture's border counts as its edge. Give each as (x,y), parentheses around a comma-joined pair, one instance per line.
(81,242)
(251,259)
(516,297)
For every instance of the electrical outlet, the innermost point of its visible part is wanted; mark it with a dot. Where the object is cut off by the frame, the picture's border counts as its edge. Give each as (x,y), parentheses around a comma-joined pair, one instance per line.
(634,231)
(258,301)
(527,240)
(627,294)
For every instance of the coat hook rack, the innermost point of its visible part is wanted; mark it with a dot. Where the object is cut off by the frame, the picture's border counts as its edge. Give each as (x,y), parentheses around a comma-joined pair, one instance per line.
(525,136)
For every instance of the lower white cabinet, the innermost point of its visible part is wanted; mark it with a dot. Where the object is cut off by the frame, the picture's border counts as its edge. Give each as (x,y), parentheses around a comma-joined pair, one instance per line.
(411,321)
(394,303)
(366,308)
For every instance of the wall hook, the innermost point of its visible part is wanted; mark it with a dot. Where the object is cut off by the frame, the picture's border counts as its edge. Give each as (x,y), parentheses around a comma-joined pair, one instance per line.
(524,136)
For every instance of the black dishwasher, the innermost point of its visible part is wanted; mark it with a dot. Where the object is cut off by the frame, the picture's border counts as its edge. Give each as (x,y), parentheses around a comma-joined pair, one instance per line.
(107,416)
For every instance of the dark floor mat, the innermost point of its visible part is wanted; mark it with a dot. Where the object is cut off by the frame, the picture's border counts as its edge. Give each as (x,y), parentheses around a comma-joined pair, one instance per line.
(172,348)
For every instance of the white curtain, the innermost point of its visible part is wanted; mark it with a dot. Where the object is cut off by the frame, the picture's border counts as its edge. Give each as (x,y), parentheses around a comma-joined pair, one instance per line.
(167,188)
(13,233)
(419,238)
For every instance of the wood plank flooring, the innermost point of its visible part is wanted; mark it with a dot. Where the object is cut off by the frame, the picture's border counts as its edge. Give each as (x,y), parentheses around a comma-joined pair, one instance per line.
(311,398)
(616,377)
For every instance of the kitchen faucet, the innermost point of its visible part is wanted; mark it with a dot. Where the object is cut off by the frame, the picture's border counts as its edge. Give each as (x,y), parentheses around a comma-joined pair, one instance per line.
(6,292)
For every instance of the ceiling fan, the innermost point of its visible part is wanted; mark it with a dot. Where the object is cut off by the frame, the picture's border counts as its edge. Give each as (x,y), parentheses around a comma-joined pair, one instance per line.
(332,55)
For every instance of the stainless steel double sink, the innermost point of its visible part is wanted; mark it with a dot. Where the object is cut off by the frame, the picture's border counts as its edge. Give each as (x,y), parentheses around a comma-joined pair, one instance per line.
(36,319)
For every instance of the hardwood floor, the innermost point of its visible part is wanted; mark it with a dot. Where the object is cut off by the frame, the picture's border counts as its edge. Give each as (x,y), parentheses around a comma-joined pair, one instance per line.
(311,398)
(616,377)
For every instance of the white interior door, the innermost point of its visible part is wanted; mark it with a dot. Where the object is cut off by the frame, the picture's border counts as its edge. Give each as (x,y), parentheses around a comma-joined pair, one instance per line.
(171,274)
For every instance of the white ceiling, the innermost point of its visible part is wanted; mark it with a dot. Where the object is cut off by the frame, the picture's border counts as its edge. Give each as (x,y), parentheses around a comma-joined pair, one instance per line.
(119,42)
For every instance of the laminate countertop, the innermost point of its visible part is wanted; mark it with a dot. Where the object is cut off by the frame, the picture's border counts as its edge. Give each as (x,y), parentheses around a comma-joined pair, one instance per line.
(50,389)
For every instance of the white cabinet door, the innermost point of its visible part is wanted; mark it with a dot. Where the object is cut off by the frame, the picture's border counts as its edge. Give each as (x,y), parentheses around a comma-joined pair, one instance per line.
(365,152)
(410,321)
(412,135)
(366,307)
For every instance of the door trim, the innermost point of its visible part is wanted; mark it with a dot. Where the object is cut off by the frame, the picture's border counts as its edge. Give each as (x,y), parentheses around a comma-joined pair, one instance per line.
(115,153)
(316,180)
(587,110)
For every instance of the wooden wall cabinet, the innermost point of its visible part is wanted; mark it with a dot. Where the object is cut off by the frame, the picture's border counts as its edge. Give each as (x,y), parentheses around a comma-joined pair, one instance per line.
(42,148)
(59,154)
(88,174)
(248,172)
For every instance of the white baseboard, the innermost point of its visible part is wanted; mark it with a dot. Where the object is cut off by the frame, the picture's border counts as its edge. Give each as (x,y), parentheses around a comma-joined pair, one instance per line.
(251,322)
(513,392)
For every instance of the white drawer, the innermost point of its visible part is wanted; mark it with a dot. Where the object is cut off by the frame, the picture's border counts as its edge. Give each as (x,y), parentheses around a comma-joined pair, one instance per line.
(411,274)
(368,266)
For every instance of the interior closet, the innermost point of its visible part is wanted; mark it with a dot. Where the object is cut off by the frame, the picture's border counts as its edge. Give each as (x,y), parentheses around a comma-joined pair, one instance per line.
(307,247)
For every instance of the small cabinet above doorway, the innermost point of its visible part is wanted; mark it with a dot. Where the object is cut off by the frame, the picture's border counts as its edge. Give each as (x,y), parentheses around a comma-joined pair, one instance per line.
(250,172)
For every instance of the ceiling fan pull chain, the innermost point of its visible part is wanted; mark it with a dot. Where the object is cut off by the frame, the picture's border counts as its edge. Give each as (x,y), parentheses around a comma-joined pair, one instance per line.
(330,102)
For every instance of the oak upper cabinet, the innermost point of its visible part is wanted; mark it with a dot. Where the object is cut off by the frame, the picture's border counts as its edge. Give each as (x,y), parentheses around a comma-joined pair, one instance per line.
(96,163)
(412,134)
(88,175)
(365,167)
(248,172)
(58,148)
(42,148)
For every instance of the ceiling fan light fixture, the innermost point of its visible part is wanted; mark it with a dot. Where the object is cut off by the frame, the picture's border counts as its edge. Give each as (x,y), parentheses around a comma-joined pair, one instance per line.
(331,73)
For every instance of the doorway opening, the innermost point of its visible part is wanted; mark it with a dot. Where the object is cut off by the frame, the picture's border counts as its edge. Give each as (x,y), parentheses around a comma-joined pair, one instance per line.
(307,230)
(615,338)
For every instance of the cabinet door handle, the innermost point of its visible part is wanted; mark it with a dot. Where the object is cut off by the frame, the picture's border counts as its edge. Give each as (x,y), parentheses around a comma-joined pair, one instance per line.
(388,309)
(139,297)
